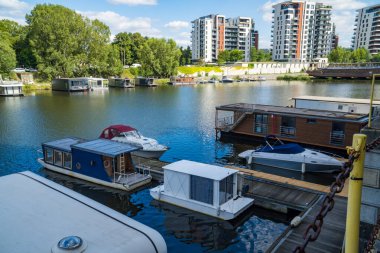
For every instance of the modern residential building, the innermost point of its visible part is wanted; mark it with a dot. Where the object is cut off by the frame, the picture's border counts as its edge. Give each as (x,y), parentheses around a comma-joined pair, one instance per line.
(367,29)
(301,31)
(214,33)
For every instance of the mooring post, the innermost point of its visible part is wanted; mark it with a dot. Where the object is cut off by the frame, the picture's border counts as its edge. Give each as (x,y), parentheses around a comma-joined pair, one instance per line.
(355,195)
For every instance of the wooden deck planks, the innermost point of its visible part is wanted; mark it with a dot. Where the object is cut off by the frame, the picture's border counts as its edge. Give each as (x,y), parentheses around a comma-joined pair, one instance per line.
(332,233)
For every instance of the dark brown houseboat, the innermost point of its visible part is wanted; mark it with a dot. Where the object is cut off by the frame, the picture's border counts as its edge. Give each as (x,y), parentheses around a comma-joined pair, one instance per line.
(351,70)
(327,129)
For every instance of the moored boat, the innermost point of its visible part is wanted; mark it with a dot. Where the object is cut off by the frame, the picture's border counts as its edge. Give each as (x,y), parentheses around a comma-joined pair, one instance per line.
(203,188)
(225,79)
(98,161)
(291,156)
(52,218)
(213,80)
(146,147)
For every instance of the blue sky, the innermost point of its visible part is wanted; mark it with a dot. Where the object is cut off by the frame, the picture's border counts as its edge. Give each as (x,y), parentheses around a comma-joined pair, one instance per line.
(171,19)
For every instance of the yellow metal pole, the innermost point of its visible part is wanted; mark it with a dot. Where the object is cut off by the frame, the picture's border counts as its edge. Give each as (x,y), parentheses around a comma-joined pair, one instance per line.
(371,101)
(355,195)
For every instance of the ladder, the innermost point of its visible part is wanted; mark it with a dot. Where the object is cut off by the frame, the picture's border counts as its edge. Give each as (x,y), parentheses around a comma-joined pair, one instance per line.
(122,163)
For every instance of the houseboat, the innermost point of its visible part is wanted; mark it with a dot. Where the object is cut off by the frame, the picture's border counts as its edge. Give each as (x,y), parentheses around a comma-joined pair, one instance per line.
(120,83)
(70,84)
(203,188)
(350,70)
(145,81)
(332,130)
(95,83)
(52,218)
(182,80)
(10,88)
(99,161)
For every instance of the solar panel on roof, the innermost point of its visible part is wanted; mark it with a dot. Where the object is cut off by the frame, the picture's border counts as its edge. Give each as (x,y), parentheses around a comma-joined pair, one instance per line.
(105,147)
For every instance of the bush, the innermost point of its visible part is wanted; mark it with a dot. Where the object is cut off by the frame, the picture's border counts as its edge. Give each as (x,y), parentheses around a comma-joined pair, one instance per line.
(194,69)
(294,78)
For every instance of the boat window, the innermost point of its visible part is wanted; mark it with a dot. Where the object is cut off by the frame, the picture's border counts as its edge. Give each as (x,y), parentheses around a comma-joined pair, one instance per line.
(226,187)
(67,160)
(288,126)
(48,155)
(311,121)
(202,189)
(261,123)
(57,158)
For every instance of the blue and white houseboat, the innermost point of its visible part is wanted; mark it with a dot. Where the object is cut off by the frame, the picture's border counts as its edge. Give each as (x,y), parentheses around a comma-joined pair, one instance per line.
(99,161)
(203,188)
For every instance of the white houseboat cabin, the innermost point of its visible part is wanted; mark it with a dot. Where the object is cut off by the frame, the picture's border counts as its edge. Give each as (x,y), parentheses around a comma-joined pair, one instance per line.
(204,188)
(10,88)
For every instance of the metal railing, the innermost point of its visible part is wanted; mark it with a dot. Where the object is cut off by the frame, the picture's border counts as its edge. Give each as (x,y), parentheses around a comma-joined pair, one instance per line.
(287,131)
(337,138)
(225,122)
(261,128)
(140,169)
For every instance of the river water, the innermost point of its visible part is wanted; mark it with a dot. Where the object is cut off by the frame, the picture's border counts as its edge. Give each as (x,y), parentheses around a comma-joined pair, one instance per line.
(180,117)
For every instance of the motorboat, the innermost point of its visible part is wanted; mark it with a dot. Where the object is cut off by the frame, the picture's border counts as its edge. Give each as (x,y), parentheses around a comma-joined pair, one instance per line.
(147,147)
(99,161)
(261,78)
(225,79)
(204,188)
(213,80)
(291,156)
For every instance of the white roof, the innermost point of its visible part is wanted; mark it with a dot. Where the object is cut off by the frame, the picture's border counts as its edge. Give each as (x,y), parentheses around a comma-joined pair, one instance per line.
(337,99)
(200,169)
(37,213)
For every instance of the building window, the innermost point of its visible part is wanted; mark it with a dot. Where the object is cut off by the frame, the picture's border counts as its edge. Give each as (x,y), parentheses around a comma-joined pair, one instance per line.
(202,189)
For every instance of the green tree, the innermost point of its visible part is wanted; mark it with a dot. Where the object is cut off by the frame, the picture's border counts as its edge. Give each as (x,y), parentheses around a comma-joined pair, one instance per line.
(185,58)
(159,57)
(360,55)
(259,55)
(236,55)
(376,58)
(123,42)
(340,55)
(223,57)
(8,57)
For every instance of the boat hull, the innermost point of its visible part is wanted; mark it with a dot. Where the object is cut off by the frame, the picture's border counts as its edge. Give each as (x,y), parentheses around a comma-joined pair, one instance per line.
(149,154)
(123,187)
(295,165)
(159,194)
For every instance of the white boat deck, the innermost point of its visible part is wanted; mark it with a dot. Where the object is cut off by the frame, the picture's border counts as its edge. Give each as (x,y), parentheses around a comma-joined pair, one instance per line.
(37,213)
(132,179)
(236,205)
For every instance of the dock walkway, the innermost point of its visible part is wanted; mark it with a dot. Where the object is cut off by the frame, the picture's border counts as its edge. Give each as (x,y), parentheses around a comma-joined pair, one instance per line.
(281,194)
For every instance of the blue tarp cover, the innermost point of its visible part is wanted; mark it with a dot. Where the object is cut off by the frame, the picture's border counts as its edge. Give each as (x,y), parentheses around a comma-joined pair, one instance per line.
(290,148)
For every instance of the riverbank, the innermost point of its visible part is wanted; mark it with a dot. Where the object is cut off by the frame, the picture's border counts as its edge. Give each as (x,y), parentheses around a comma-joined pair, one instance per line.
(36,87)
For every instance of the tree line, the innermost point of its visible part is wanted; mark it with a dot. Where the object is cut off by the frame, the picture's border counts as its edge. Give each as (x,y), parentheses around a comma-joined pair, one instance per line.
(234,55)
(61,42)
(360,55)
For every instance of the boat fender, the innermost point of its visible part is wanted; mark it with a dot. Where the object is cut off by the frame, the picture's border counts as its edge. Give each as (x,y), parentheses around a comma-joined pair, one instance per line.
(296,222)
(106,163)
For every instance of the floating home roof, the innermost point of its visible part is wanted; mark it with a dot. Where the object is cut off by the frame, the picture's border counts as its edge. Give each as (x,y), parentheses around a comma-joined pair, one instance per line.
(337,99)
(200,169)
(63,144)
(38,213)
(292,111)
(105,147)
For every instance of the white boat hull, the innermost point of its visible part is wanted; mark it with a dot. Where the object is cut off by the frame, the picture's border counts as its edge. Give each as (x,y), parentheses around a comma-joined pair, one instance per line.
(307,161)
(149,154)
(124,187)
(223,212)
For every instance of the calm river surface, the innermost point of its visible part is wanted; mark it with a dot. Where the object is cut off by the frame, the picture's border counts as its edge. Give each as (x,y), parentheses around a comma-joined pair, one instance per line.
(180,117)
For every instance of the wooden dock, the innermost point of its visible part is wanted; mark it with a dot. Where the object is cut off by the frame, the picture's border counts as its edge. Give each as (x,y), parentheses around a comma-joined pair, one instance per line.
(283,194)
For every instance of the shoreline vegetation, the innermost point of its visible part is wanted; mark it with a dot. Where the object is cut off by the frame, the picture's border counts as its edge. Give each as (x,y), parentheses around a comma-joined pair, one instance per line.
(300,77)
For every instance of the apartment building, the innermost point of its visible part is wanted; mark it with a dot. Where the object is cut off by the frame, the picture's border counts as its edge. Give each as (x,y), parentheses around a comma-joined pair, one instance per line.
(367,29)
(214,33)
(301,31)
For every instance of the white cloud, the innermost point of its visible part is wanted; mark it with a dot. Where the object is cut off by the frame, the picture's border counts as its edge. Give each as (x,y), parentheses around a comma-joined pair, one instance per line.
(183,43)
(119,23)
(14,10)
(176,25)
(134,2)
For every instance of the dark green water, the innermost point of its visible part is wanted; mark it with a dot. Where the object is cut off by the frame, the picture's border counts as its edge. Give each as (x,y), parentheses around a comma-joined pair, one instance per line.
(180,117)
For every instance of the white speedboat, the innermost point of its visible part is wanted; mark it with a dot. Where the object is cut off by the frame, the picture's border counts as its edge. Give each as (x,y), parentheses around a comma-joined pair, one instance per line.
(148,147)
(292,157)
(225,79)
(204,188)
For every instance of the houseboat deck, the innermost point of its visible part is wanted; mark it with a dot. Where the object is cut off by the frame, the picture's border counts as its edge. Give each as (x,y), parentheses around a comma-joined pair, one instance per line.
(272,109)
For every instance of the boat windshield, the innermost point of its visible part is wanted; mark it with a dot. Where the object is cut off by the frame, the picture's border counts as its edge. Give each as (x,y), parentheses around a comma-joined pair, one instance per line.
(133,133)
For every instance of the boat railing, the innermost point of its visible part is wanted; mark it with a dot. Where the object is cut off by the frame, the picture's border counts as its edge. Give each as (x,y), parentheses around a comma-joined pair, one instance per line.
(225,122)
(337,138)
(287,131)
(143,169)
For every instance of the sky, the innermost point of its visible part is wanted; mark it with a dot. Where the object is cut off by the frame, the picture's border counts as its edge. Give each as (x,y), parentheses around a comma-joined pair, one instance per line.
(172,18)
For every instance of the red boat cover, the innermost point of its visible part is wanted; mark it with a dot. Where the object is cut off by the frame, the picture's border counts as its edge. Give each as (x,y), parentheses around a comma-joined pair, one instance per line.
(114,130)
